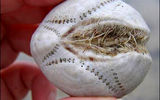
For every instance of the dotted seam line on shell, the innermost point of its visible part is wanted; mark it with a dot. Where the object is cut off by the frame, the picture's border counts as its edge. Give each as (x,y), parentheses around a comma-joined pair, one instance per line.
(52,52)
(91,70)
(52,29)
(61,60)
(100,77)
(84,15)
(94,9)
(115,75)
(62,21)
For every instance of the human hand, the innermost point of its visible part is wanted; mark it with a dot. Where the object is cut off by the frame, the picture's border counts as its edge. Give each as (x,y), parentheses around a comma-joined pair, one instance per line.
(19,19)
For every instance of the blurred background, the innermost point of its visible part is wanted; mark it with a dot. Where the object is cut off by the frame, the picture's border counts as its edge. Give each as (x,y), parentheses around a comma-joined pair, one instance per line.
(149,88)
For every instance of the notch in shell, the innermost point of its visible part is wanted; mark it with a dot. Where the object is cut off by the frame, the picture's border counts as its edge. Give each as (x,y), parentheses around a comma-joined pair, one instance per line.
(93,47)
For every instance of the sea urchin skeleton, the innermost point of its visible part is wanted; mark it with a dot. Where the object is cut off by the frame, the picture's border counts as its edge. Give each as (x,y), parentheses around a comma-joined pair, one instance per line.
(93,47)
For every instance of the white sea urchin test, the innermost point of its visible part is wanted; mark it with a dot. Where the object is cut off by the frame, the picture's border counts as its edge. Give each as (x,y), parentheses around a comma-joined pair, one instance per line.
(93,47)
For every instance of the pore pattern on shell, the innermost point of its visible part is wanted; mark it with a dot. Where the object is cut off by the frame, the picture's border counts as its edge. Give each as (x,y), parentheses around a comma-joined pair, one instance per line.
(93,47)
(82,16)
(92,70)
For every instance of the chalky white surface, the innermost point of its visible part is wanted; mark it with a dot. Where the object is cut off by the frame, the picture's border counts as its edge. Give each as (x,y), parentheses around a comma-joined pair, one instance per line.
(151,81)
(115,76)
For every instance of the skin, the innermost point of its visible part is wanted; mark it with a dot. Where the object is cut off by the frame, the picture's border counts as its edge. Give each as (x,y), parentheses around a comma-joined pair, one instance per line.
(19,19)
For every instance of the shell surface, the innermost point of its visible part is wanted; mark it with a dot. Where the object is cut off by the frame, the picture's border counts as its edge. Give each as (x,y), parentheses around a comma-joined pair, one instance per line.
(93,47)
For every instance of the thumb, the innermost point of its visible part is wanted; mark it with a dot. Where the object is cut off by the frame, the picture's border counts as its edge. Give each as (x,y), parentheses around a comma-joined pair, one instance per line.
(20,77)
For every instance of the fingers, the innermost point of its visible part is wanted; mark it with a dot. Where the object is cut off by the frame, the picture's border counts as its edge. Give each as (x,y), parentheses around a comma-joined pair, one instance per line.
(17,12)
(5,91)
(17,40)
(19,77)
(20,36)
(8,54)
(26,15)
(43,2)
(90,98)
(42,89)
(2,31)
(10,5)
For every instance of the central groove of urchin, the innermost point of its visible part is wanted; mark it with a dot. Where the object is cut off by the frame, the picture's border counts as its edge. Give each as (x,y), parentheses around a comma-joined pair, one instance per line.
(109,39)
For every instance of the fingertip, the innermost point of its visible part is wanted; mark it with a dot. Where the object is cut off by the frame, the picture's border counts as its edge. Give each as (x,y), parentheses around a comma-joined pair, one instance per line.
(42,89)
(20,77)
